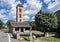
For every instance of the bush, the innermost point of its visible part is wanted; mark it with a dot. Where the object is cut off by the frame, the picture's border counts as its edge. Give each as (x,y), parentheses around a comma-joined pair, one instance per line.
(58,30)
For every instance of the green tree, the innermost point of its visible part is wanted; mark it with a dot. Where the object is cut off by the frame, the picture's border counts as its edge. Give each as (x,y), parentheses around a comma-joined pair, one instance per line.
(1,24)
(58,17)
(46,21)
(32,24)
(8,22)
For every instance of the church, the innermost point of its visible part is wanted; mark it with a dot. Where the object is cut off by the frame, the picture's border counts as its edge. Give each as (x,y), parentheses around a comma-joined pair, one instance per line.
(19,25)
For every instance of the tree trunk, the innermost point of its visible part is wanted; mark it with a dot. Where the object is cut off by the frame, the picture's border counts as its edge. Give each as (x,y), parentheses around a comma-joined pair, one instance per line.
(44,32)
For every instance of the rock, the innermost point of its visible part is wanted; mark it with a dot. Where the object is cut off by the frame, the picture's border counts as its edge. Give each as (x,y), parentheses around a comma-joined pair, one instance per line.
(34,36)
(21,38)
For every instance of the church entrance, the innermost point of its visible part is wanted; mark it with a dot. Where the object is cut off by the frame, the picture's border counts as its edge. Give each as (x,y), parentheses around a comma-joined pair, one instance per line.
(22,30)
(16,29)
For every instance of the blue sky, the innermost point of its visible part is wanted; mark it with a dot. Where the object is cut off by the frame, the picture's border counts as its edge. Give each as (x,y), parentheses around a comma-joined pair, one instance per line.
(30,7)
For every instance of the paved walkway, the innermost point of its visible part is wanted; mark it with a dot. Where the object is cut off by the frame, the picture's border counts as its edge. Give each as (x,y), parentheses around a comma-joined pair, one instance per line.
(3,37)
(6,37)
(12,39)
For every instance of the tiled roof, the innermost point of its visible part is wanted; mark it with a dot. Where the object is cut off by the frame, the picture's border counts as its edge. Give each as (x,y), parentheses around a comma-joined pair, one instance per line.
(19,5)
(18,24)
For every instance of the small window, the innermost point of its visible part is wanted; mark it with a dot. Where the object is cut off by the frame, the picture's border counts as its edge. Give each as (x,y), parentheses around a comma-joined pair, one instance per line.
(20,15)
(19,10)
(20,20)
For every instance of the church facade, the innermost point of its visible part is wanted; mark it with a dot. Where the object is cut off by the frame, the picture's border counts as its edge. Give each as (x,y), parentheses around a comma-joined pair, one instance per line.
(19,25)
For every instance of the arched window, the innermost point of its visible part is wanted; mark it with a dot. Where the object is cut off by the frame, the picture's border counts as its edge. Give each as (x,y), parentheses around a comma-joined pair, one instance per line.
(19,10)
(20,20)
(20,15)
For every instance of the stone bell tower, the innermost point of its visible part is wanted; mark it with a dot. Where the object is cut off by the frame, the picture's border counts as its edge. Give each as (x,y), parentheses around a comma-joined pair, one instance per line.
(19,13)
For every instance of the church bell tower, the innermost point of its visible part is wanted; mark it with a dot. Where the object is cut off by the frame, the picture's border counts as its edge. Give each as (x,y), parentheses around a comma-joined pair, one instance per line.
(19,13)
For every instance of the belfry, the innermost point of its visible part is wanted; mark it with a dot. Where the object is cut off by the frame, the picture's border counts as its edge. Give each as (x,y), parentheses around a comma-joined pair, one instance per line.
(19,13)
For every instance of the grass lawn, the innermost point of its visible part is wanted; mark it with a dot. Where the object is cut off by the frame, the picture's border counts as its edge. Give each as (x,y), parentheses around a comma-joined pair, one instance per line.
(1,29)
(44,39)
(48,39)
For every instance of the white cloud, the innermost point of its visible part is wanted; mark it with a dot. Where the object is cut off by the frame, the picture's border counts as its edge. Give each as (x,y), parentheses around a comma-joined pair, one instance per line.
(5,21)
(33,18)
(8,1)
(54,6)
(47,1)
(3,11)
(26,18)
(32,7)
(2,16)
(29,12)
(12,13)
